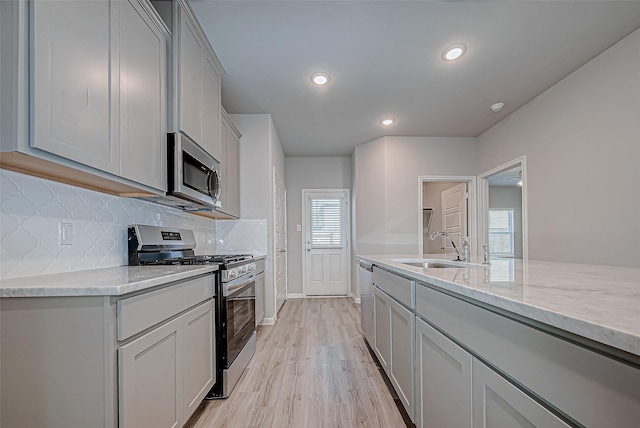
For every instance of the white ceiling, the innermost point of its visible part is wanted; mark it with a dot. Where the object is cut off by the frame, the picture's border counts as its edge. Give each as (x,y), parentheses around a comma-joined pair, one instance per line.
(384,58)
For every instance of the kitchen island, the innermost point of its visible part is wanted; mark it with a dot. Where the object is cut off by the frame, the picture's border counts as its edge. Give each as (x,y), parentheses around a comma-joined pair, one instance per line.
(553,344)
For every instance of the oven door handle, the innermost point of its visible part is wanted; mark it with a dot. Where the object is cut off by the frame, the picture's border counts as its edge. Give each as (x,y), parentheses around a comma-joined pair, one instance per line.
(239,283)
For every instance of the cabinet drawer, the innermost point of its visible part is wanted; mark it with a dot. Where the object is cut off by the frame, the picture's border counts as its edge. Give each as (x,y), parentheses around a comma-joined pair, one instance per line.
(401,289)
(145,310)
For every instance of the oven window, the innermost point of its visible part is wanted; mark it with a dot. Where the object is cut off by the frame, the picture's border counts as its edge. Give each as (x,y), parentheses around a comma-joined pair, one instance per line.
(241,317)
(195,174)
(240,321)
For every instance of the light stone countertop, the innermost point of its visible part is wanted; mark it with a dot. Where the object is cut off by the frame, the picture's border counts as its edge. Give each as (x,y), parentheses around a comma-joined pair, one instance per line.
(114,281)
(601,303)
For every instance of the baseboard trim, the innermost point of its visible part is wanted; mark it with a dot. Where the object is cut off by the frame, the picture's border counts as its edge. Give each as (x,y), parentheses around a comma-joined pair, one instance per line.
(268,321)
(356,299)
(295,296)
(302,296)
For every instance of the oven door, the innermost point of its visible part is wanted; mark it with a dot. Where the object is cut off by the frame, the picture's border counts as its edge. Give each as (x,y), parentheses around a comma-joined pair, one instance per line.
(241,314)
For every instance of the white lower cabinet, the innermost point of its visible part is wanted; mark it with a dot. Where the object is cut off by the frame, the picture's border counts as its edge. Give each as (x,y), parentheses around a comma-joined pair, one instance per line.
(382,334)
(199,356)
(149,374)
(142,360)
(457,390)
(443,376)
(164,374)
(499,404)
(259,298)
(402,333)
(469,366)
(394,327)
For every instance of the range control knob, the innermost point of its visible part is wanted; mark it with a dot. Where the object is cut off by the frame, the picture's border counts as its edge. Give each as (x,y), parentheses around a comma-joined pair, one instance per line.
(232,274)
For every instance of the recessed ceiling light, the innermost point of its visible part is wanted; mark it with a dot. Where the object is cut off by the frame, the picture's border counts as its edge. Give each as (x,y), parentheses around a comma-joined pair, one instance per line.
(387,122)
(497,107)
(320,78)
(454,52)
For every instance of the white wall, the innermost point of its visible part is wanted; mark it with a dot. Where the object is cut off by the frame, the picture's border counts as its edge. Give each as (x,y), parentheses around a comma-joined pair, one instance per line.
(387,193)
(582,142)
(308,173)
(509,197)
(33,207)
(370,197)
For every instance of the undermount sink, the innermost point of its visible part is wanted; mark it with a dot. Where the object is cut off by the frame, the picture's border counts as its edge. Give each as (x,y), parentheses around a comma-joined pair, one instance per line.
(436,263)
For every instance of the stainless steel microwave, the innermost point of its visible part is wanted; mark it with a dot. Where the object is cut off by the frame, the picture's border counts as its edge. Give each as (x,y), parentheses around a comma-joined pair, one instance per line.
(194,181)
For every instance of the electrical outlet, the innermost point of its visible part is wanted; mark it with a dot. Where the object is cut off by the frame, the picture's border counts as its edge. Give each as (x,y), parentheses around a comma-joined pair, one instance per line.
(299,228)
(65,233)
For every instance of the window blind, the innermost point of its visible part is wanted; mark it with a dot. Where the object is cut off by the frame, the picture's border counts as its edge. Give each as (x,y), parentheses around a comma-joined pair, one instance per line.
(326,222)
(501,233)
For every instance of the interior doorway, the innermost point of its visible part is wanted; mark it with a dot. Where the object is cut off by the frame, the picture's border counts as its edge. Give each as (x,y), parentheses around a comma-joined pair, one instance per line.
(447,203)
(502,203)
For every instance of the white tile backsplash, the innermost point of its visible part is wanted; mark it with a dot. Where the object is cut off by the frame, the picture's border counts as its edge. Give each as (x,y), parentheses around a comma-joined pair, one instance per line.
(238,236)
(31,208)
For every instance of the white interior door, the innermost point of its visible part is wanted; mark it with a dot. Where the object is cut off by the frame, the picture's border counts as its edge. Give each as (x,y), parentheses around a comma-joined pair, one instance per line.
(280,238)
(454,214)
(326,252)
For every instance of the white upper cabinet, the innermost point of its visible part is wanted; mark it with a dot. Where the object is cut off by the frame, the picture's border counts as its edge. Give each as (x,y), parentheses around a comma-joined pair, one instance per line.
(230,167)
(198,75)
(71,96)
(143,103)
(95,93)
(190,71)
(211,108)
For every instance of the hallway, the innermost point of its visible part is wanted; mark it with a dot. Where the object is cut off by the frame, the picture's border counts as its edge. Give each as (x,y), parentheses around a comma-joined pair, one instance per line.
(311,370)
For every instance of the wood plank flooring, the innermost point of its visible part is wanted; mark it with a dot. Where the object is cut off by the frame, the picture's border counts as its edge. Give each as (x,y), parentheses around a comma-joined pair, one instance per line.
(311,370)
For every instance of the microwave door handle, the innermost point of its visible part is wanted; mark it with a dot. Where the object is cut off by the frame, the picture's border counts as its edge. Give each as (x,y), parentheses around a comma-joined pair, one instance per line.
(214,185)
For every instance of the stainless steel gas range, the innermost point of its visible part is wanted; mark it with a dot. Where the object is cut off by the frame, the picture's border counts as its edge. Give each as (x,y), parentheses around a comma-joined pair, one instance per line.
(235,334)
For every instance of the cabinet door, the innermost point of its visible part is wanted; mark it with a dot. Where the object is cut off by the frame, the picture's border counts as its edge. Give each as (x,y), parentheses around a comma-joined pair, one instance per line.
(143,117)
(71,98)
(259,298)
(150,382)
(499,404)
(443,380)
(381,321)
(224,132)
(190,72)
(401,337)
(211,133)
(233,174)
(199,355)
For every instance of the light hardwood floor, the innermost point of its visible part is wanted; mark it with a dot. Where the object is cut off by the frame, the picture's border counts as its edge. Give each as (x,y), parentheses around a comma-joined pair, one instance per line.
(311,370)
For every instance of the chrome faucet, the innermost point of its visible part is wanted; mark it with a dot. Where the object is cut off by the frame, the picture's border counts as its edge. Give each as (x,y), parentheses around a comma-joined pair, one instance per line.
(486,255)
(462,256)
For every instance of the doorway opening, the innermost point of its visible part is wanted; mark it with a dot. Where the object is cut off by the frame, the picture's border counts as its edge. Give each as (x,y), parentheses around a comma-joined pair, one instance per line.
(446,203)
(502,210)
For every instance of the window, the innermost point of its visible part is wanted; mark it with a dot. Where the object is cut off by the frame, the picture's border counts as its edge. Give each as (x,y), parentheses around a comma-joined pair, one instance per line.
(326,223)
(501,234)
